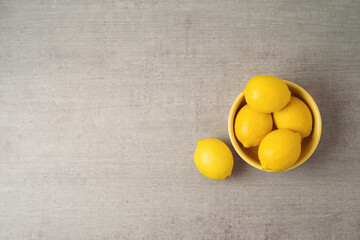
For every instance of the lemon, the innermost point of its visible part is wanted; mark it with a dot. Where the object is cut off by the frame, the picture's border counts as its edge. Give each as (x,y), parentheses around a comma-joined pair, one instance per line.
(279,150)
(213,158)
(265,93)
(296,117)
(252,126)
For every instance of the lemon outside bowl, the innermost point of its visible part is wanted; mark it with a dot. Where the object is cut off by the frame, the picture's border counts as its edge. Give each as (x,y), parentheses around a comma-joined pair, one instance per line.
(308,144)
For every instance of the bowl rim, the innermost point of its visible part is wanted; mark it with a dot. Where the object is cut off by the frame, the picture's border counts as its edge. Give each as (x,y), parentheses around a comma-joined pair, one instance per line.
(316,118)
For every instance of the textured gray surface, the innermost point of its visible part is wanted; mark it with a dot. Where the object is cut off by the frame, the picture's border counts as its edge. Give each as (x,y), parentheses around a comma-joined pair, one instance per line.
(102,102)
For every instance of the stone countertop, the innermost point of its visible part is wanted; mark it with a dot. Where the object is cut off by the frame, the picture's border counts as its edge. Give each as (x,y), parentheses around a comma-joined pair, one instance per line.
(102,103)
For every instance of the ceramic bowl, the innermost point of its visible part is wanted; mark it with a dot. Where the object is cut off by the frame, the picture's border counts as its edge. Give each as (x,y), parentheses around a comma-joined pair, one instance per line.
(308,144)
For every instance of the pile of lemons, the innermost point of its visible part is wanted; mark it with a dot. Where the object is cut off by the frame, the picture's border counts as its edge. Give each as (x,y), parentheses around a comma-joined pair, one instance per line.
(269,101)
(272,122)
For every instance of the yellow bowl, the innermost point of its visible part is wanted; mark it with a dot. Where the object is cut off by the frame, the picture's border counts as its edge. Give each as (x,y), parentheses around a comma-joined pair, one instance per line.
(308,144)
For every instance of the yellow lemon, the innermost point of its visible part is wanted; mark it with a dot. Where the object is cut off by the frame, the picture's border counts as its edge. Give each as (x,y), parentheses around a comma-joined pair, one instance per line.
(267,94)
(279,150)
(296,117)
(213,158)
(252,126)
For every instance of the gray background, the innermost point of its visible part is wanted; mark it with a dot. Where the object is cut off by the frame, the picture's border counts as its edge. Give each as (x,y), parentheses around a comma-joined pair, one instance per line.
(102,102)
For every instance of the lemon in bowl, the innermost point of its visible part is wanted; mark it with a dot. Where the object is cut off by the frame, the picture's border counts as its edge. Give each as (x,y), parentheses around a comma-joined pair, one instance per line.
(279,150)
(252,126)
(295,116)
(308,144)
(267,94)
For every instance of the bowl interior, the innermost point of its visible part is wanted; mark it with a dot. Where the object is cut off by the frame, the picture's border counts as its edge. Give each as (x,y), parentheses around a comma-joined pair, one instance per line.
(308,144)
